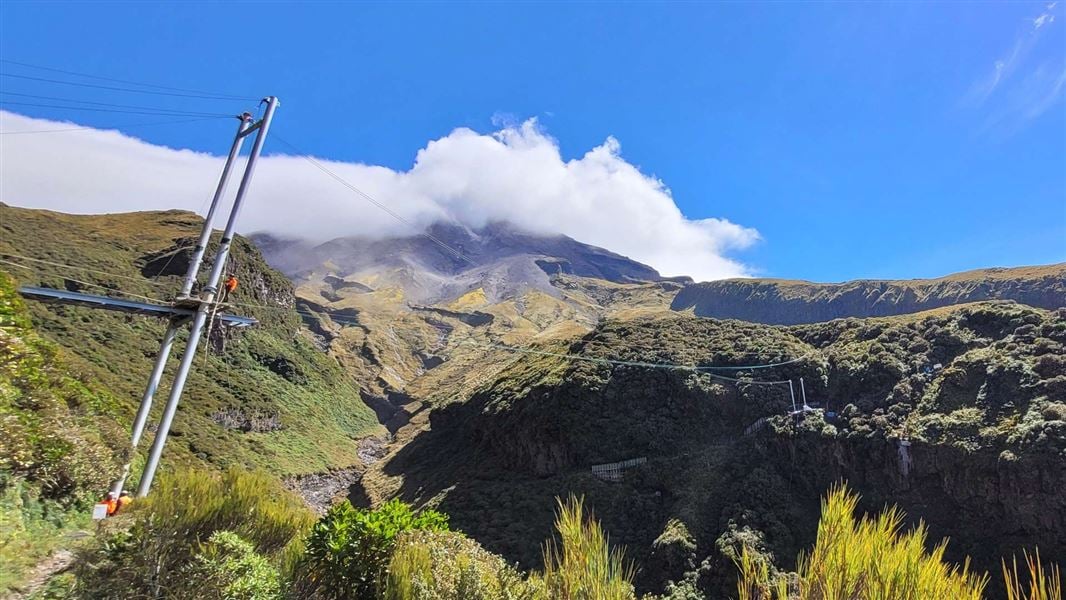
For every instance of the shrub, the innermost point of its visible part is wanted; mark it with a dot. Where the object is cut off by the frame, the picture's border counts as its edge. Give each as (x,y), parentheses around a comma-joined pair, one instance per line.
(1054,411)
(57,440)
(687,589)
(582,565)
(55,432)
(349,549)
(182,514)
(228,568)
(863,559)
(449,566)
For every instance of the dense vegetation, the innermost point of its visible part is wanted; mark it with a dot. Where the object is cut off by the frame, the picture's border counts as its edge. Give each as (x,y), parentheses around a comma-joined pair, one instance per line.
(349,549)
(268,399)
(785,302)
(70,378)
(955,415)
(864,558)
(240,536)
(57,431)
(958,416)
(239,530)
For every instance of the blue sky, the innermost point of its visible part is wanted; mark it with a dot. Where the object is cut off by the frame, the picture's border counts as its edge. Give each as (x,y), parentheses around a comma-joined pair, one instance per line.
(861,140)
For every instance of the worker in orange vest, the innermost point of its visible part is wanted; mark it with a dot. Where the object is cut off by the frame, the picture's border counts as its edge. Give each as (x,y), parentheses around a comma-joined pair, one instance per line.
(112,503)
(124,500)
(230,286)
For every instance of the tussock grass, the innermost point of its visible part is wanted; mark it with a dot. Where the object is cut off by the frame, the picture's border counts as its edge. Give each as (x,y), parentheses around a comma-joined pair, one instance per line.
(863,559)
(189,506)
(143,554)
(582,565)
(1044,584)
(579,565)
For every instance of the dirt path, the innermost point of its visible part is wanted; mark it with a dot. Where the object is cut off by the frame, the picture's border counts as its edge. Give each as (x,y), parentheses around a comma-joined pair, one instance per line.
(58,562)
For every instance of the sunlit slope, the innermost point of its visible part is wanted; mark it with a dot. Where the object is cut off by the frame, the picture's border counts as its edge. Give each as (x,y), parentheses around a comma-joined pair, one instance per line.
(269,398)
(979,392)
(427,328)
(786,302)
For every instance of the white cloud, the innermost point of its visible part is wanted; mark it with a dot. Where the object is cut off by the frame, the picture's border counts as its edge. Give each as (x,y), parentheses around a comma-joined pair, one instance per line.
(1046,17)
(515,174)
(1018,88)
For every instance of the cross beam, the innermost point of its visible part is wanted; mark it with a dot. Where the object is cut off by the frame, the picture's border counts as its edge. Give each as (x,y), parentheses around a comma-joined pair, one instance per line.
(147,309)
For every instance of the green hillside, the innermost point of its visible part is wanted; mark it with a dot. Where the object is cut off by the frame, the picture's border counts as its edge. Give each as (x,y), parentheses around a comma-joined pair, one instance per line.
(58,431)
(789,302)
(267,398)
(978,391)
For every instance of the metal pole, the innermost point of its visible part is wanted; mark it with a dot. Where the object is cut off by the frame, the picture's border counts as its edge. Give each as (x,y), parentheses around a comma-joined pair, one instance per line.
(791,392)
(205,233)
(146,400)
(227,235)
(207,298)
(803,392)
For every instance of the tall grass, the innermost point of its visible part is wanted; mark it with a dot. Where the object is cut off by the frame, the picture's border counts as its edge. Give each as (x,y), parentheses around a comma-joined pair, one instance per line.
(582,565)
(146,558)
(188,506)
(864,559)
(1043,584)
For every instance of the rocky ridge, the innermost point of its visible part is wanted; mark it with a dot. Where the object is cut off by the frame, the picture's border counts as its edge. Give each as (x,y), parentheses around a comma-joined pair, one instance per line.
(785,302)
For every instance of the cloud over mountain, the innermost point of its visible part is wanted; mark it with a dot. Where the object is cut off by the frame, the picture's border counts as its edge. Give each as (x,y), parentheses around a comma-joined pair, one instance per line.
(516,174)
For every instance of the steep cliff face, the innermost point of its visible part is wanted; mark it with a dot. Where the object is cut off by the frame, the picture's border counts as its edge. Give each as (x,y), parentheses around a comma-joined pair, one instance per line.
(783,302)
(957,415)
(990,502)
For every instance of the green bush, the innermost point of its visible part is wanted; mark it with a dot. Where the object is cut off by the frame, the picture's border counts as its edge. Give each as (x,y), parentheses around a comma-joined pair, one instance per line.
(55,432)
(349,549)
(57,441)
(146,558)
(429,565)
(228,568)
(686,589)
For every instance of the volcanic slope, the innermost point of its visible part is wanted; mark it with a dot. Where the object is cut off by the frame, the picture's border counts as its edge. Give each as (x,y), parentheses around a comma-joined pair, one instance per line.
(977,392)
(432,326)
(263,397)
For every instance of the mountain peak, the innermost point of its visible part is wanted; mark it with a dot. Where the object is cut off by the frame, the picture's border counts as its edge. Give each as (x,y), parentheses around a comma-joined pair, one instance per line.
(511,257)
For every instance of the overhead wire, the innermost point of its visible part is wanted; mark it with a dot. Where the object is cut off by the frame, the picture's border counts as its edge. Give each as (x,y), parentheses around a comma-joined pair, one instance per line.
(107,104)
(631,346)
(92,285)
(174,254)
(452,251)
(318,165)
(127,81)
(161,113)
(706,369)
(458,254)
(83,269)
(110,127)
(122,89)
